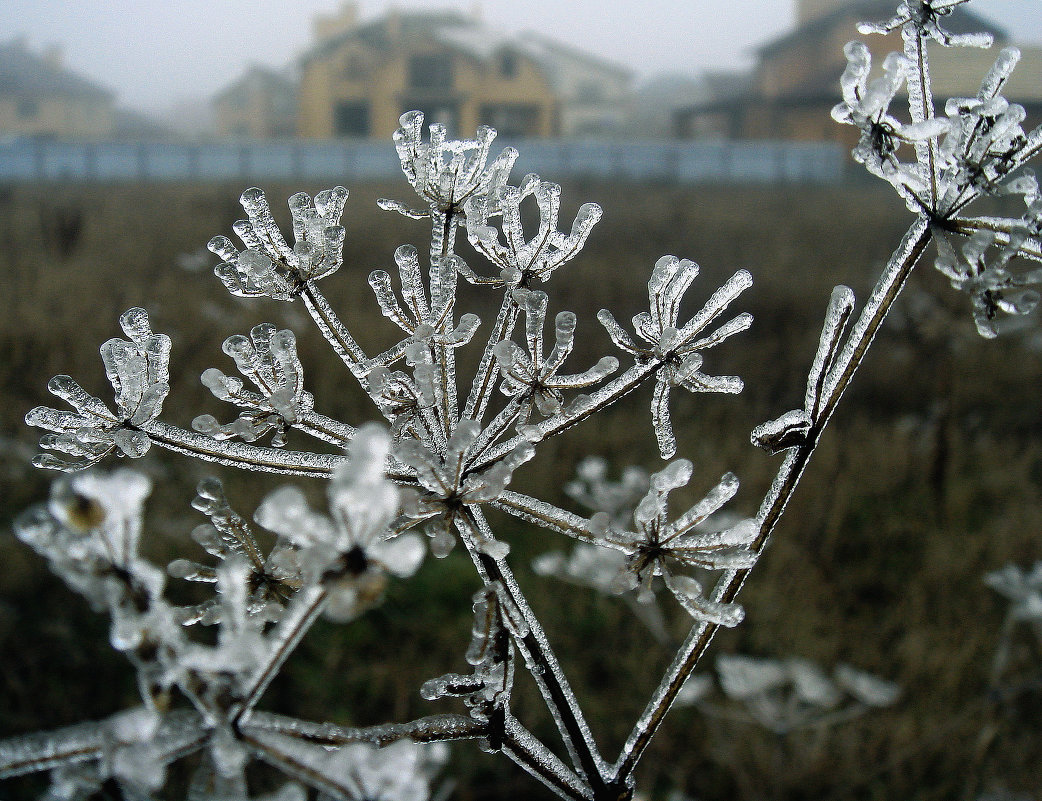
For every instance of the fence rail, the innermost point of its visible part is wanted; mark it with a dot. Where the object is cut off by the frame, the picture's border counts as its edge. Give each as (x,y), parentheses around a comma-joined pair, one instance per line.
(675,162)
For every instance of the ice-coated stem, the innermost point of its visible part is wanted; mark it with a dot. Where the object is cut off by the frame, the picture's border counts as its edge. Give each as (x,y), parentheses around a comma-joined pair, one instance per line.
(326,429)
(1002,228)
(889,286)
(570,416)
(920,104)
(521,746)
(240,454)
(485,378)
(334,330)
(434,728)
(298,618)
(549,516)
(83,742)
(538,655)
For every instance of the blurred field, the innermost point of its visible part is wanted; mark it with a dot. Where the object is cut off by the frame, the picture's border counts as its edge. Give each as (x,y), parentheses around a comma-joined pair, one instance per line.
(929,477)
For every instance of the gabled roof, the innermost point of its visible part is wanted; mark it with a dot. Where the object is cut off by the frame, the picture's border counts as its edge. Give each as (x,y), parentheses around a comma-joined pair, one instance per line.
(26,74)
(959,21)
(466,35)
(257,76)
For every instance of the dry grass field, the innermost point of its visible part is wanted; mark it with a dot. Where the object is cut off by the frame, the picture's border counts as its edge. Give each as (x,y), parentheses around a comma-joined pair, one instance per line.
(930,476)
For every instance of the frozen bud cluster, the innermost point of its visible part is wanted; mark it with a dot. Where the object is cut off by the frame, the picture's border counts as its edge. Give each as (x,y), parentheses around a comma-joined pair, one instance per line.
(784,695)
(269,267)
(268,359)
(353,548)
(678,347)
(658,547)
(139,371)
(523,261)
(447,172)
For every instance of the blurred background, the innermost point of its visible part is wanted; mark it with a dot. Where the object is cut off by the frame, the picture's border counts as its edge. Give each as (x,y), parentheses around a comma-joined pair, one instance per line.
(126,135)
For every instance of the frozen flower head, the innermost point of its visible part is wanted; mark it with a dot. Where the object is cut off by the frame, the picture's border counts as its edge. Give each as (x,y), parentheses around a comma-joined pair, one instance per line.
(139,371)
(447,172)
(532,378)
(784,695)
(92,518)
(1023,589)
(523,261)
(268,359)
(272,580)
(866,106)
(993,288)
(923,18)
(675,347)
(268,266)
(448,485)
(660,547)
(352,549)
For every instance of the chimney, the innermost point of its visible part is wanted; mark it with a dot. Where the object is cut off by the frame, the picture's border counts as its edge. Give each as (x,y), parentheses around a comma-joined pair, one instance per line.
(394,23)
(329,26)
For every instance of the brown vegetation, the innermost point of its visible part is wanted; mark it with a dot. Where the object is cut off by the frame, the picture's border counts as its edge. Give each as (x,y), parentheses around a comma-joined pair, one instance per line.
(929,477)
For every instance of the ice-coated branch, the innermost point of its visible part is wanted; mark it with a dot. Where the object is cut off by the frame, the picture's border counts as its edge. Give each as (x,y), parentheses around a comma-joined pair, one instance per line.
(536,651)
(179,733)
(887,288)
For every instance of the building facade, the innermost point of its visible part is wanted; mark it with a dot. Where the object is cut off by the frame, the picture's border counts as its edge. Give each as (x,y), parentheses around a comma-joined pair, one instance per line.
(40,97)
(795,82)
(360,80)
(262,104)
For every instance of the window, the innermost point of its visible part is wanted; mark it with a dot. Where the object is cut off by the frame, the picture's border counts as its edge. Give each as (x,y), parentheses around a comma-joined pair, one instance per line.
(351,119)
(431,71)
(512,120)
(508,65)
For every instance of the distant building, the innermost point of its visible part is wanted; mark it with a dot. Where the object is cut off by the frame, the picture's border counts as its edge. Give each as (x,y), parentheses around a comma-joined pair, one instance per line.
(360,77)
(795,82)
(262,104)
(40,97)
(593,94)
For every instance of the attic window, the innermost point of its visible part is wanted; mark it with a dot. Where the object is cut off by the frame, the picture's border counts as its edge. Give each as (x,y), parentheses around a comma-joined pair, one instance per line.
(431,71)
(508,65)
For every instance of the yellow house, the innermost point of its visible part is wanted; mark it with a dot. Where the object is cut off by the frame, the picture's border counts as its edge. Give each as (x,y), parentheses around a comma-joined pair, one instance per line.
(39,97)
(795,82)
(360,78)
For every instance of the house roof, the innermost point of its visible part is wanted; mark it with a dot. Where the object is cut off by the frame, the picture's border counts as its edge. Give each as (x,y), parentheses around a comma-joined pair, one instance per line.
(27,74)
(958,22)
(466,35)
(257,76)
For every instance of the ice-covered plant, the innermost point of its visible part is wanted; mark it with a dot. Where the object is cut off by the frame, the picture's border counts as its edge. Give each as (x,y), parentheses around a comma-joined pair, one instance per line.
(452,446)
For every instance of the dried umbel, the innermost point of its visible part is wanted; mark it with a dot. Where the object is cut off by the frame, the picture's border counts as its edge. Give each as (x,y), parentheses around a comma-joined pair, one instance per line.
(452,447)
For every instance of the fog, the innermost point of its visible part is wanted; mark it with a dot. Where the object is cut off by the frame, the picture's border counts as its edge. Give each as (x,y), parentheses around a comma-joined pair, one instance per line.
(154,54)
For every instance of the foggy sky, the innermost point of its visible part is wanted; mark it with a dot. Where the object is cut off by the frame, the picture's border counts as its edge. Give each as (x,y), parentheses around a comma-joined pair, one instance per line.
(155,53)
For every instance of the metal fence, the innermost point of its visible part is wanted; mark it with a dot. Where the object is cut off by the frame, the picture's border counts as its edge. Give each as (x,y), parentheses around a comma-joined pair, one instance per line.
(759,162)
